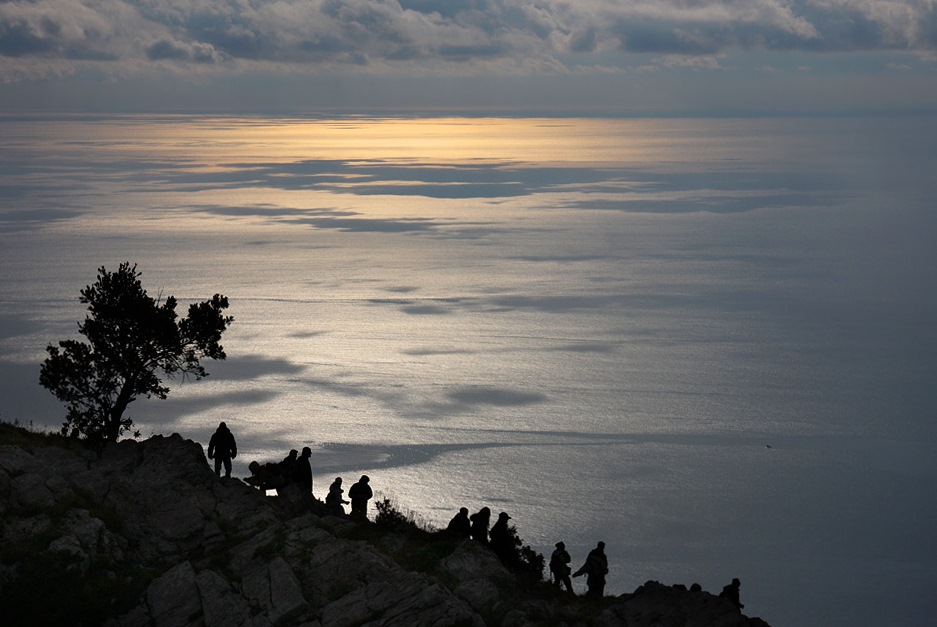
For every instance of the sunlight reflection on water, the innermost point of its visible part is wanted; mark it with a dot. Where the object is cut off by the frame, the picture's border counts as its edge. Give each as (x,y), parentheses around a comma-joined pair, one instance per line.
(599,326)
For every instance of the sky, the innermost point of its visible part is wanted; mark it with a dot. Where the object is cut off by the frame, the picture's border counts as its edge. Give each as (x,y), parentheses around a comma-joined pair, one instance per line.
(711,57)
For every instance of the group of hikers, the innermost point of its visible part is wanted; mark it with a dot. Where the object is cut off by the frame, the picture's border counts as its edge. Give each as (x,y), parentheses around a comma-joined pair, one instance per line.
(359,493)
(500,539)
(295,469)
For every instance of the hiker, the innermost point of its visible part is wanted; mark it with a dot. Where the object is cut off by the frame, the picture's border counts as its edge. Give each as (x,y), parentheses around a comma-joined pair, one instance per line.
(359,494)
(479,527)
(731,592)
(303,471)
(500,540)
(460,525)
(288,466)
(595,569)
(559,567)
(334,500)
(223,449)
(264,476)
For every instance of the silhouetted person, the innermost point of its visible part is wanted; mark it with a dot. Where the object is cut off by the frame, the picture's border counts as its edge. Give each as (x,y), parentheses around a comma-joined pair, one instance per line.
(460,526)
(731,592)
(303,471)
(263,476)
(559,567)
(595,569)
(500,540)
(334,500)
(288,466)
(223,449)
(360,493)
(480,521)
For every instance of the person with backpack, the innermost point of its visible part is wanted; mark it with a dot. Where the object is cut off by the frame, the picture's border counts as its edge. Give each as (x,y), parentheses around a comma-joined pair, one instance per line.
(360,493)
(223,449)
(559,567)
(595,569)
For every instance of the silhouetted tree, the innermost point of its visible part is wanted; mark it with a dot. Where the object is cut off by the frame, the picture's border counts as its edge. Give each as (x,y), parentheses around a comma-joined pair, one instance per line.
(132,339)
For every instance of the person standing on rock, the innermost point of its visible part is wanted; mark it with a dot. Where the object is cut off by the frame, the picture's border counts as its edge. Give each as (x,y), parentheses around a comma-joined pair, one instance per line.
(595,569)
(480,521)
(288,466)
(360,493)
(731,592)
(223,449)
(304,471)
(501,541)
(559,567)
(460,526)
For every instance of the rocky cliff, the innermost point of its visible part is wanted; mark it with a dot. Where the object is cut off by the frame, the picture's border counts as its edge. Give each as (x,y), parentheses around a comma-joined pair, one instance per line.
(142,533)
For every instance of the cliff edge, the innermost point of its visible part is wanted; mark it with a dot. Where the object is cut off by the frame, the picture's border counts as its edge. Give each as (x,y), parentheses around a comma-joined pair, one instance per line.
(135,534)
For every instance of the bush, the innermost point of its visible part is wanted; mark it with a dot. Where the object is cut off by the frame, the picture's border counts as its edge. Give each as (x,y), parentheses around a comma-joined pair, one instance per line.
(390,517)
(523,560)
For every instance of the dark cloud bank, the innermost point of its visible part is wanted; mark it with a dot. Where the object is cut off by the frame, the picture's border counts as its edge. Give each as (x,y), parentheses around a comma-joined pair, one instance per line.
(358,33)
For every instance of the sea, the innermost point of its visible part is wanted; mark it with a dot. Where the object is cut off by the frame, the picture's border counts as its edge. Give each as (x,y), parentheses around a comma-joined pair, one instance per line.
(708,342)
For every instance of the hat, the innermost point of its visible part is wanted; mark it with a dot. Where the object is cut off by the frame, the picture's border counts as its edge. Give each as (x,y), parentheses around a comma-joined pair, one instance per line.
(561,545)
(504,515)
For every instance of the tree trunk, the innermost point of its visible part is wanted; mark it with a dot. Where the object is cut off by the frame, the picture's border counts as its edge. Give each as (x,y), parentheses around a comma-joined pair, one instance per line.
(112,428)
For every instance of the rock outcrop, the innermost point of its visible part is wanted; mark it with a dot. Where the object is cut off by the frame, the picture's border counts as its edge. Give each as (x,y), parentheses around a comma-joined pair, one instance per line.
(138,534)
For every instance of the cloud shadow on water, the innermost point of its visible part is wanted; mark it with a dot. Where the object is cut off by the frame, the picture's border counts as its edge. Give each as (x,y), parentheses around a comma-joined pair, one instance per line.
(716,190)
(425,310)
(251,367)
(24,399)
(327,219)
(585,347)
(376,177)
(25,219)
(417,352)
(555,304)
(497,396)
(14,325)
(339,457)
(170,410)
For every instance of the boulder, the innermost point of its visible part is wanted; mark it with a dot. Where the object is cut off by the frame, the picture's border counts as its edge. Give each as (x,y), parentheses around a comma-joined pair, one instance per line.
(173,599)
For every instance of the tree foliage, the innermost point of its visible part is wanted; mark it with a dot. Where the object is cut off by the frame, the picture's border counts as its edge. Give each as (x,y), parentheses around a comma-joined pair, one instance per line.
(132,340)
(521,558)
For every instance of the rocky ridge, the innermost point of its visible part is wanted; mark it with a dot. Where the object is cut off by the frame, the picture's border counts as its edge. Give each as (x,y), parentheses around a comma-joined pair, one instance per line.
(135,534)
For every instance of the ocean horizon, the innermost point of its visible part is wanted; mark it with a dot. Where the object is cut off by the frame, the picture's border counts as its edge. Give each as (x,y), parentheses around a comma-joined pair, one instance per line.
(707,342)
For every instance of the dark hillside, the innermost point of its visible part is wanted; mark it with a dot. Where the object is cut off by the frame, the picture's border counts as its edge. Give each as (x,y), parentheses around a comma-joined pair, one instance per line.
(135,534)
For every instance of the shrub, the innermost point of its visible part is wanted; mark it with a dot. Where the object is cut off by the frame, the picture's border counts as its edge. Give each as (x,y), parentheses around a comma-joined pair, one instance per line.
(522,559)
(390,517)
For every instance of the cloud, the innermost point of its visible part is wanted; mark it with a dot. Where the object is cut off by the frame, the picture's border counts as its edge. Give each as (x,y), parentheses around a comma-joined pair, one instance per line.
(424,36)
(184,51)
